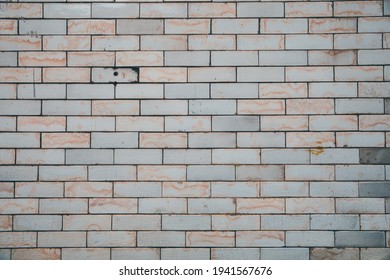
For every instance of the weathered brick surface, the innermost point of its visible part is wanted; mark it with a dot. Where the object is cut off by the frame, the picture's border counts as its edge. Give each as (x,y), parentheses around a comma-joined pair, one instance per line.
(194,129)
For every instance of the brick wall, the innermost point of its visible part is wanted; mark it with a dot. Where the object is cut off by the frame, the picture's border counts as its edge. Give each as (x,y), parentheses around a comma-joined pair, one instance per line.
(194,129)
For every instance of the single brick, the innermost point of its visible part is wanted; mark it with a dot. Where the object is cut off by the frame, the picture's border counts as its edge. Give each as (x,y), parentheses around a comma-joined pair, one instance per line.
(235,254)
(321,90)
(14,43)
(67,10)
(285,222)
(261,139)
(210,173)
(186,58)
(87,222)
(62,173)
(360,172)
(257,10)
(36,254)
(212,10)
(85,254)
(374,189)
(285,156)
(212,74)
(112,205)
(357,41)
(260,172)
(139,26)
(236,156)
(90,124)
(358,73)
(260,239)
(161,173)
(211,140)
(375,222)
(211,205)
(235,26)
(185,91)
(160,239)
(88,189)
(237,90)
(137,189)
(211,42)
(136,222)
(138,156)
(310,239)
(309,172)
(374,156)
(333,189)
(135,254)
(20,107)
(6,190)
(114,140)
(117,10)
(186,222)
(88,26)
(334,222)
(360,205)
(66,108)
(162,205)
(360,139)
(308,9)
(283,26)
(6,223)
(375,253)
(359,106)
(187,26)
(334,254)
(284,254)
(18,173)
(185,254)
(62,239)
(111,239)
(164,42)
(236,222)
(111,173)
(41,91)
(335,156)
(163,10)
(63,206)
(260,42)
(235,123)
(186,189)
(284,189)
(317,140)
(333,25)
(188,123)
(8,156)
(190,156)
(360,239)
(115,43)
(38,223)
(310,205)
(18,239)
(235,189)
(39,189)
(42,27)
(210,239)
(358,8)
(260,205)
(260,74)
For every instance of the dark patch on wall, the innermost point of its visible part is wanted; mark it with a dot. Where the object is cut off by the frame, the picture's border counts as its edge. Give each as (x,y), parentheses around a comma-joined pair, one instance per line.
(374,189)
(360,239)
(387,106)
(375,155)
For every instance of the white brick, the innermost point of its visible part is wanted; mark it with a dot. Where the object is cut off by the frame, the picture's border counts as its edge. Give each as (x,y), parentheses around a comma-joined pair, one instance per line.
(87,222)
(234,58)
(137,91)
(333,90)
(211,206)
(114,140)
(281,58)
(359,106)
(41,91)
(236,156)
(211,42)
(360,139)
(115,43)
(188,123)
(185,91)
(357,41)
(39,189)
(139,26)
(234,189)
(260,74)
(310,238)
(285,254)
(111,239)
(334,222)
(42,27)
(235,123)
(284,189)
(90,156)
(20,107)
(309,42)
(90,91)
(42,156)
(236,222)
(360,205)
(212,140)
(18,173)
(310,172)
(283,26)
(185,254)
(235,254)
(210,173)
(90,124)
(136,222)
(138,156)
(360,172)
(166,10)
(165,107)
(85,254)
(260,172)
(161,239)
(284,156)
(186,222)
(285,222)
(260,239)
(333,189)
(261,139)
(111,173)
(190,156)
(7,156)
(212,107)
(62,173)
(374,57)
(257,10)
(65,108)
(332,57)
(117,10)
(235,26)
(8,59)
(186,58)
(135,254)
(63,206)
(67,10)
(301,74)
(38,223)
(336,156)
(137,189)
(162,205)
(236,90)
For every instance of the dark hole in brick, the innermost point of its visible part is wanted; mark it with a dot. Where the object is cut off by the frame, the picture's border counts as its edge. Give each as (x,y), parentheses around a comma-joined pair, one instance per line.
(116,73)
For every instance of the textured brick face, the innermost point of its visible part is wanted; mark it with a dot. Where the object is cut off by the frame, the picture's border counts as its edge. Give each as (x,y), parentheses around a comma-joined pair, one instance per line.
(194,129)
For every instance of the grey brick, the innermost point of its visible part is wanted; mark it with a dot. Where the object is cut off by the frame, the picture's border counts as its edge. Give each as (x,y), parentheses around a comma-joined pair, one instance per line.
(91,156)
(85,254)
(184,91)
(285,222)
(386,7)
(260,172)
(42,222)
(18,173)
(187,58)
(138,156)
(375,156)
(8,59)
(111,173)
(160,239)
(211,205)
(212,107)
(136,222)
(162,205)
(185,254)
(375,222)
(261,139)
(334,222)
(5,254)
(374,189)
(212,140)
(388,205)
(20,107)
(334,254)
(377,253)
(285,254)
(210,172)
(235,90)
(186,222)
(42,27)
(235,123)
(310,238)
(263,10)
(360,172)
(234,189)
(111,239)
(135,254)
(189,156)
(387,103)
(235,253)
(236,222)
(90,91)
(138,26)
(360,239)
(66,108)
(42,91)
(284,189)
(114,140)
(360,205)
(333,189)
(63,173)
(137,189)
